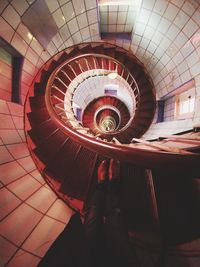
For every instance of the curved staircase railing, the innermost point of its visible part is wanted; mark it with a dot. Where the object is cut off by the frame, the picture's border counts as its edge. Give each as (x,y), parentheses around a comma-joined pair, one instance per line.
(61,84)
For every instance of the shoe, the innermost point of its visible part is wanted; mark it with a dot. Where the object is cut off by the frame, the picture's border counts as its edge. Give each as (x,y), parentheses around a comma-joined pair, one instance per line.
(102,172)
(114,170)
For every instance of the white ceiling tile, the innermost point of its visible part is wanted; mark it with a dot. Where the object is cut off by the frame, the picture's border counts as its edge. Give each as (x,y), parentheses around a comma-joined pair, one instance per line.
(64,32)
(136,39)
(68,11)
(11,16)
(112,18)
(181,19)
(171,12)
(20,6)
(58,17)
(90,4)
(73,26)
(82,20)
(79,6)
(52,5)
(6,31)
(121,19)
(92,16)
(190,28)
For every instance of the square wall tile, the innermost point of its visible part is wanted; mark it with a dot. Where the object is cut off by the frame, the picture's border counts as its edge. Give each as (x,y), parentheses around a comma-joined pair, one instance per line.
(79,6)
(6,31)
(4,107)
(59,18)
(10,136)
(36,174)
(82,21)
(20,5)
(68,11)
(42,199)
(22,220)
(11,16)
(19,44)
(16,109)
(73,26)
(5,156)
(52,5)
(92,16)
(7,250)
(90,4)
(27,163)
(8,202)
(10,172)
(24,187)
(19,122)
(23,259)
(43,236)
(60,211)
(32,56)
(24,32)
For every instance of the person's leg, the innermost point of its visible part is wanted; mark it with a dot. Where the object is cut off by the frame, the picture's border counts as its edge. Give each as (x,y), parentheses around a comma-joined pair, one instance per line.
(117,240)
(94,215)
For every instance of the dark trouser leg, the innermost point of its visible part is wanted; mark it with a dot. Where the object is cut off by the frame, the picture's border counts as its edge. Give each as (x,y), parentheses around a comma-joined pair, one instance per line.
(93,224)
(117,240)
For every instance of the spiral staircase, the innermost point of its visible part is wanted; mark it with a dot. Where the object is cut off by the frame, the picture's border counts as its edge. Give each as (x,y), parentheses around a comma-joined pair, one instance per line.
(68,149)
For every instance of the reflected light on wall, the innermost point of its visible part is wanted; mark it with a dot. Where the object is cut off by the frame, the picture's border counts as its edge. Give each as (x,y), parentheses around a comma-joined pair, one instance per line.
(112,75)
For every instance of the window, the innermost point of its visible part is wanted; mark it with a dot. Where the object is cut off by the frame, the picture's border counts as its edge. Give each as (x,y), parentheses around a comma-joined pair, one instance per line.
(184,104)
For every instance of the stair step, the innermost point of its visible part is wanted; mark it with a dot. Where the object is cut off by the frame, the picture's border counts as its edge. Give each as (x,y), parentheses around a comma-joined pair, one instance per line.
(37,102)
(60,166)
(77,186)
(50,146)
(42,131)
(38,116)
